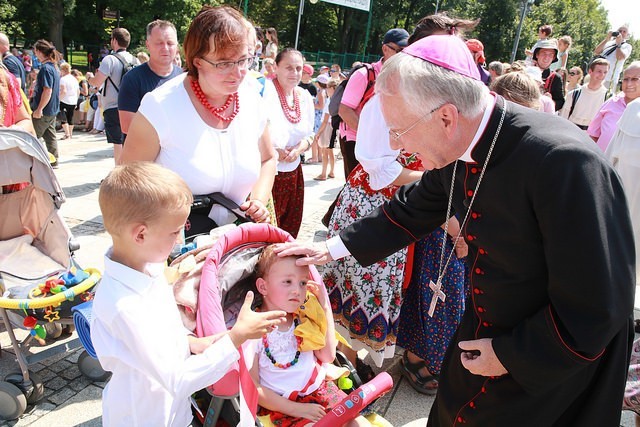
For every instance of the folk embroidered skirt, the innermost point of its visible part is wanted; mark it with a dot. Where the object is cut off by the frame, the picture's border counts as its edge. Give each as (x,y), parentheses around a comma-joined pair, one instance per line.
(365,300)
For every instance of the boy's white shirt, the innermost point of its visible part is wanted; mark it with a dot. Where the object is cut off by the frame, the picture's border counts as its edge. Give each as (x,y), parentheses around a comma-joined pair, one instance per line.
(138,335)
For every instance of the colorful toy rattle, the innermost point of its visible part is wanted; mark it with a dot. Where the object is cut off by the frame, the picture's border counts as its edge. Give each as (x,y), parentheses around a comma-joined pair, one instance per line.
(35,330)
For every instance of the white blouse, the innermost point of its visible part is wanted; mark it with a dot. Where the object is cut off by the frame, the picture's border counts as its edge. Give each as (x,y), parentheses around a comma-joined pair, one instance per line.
(285,134)
(208,159)
(373,149)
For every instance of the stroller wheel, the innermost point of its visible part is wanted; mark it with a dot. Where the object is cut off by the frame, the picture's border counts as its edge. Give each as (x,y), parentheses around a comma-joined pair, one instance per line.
(91,368)
(12,402)
(32,389)
(54,330)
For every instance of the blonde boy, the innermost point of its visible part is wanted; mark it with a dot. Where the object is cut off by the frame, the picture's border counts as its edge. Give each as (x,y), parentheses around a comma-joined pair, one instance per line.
(136,329)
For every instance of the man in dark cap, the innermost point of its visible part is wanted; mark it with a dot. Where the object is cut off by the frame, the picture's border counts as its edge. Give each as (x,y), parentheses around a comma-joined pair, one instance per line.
(547,331)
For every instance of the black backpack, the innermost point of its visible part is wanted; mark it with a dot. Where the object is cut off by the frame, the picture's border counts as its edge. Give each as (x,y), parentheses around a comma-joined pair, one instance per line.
(126,67)
(336,99)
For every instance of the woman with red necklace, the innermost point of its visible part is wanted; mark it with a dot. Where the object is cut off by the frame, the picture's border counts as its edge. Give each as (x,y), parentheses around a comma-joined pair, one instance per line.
(291,116)
(208,124)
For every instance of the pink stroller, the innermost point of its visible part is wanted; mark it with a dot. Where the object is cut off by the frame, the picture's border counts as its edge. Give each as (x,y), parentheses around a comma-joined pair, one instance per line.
(226,276)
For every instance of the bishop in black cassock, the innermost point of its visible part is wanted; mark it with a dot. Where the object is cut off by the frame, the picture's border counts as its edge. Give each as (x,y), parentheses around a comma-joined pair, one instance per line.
(548,327)
(551,255)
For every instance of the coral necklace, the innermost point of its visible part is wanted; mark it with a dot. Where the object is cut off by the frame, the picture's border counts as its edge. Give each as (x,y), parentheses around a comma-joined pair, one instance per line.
(291,113)
(217,111)
(265,343)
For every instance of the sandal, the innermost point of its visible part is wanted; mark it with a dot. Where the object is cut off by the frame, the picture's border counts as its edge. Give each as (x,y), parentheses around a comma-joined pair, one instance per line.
(320,178)
(365,372)
(421,384)
(331,175)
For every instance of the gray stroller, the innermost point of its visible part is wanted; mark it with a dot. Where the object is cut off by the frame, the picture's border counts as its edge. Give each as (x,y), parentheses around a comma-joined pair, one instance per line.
(40,281)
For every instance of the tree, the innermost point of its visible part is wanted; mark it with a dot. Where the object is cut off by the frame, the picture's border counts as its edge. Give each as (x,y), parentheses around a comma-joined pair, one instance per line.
(324,26)
(584,20)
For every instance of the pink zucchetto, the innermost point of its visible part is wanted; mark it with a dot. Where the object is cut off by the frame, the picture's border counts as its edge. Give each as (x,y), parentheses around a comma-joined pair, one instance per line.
(445,51)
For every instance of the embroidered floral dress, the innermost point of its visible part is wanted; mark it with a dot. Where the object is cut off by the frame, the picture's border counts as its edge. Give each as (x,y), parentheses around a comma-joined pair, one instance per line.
(366,301)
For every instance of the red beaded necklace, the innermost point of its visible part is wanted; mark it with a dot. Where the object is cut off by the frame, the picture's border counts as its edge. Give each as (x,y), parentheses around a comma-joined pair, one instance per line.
(267,351)
(292,114)
(233,98)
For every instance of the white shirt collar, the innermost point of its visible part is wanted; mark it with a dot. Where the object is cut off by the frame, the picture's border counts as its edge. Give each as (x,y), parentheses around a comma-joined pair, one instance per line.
(135,280)
(491,103)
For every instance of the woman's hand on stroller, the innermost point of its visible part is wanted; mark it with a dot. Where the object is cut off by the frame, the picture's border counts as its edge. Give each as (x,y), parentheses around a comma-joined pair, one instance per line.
(251,324)
(256,210)
(313,253)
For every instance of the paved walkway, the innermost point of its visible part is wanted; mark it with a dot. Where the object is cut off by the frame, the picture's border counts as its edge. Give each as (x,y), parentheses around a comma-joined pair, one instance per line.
(72,400)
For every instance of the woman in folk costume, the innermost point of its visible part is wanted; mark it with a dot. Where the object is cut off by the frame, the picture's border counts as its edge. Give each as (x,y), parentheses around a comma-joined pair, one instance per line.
(291,116)
(367,300)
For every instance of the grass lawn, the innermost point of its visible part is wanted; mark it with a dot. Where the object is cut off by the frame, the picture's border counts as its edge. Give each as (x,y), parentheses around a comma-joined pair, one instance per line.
(78,59)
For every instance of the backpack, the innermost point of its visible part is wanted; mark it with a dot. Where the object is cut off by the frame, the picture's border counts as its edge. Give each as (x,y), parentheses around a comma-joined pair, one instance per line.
(574,99)
(93,101)
(126,67)
(336,99)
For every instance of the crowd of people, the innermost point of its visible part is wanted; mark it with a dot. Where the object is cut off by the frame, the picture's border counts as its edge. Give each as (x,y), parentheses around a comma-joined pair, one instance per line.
(468,185)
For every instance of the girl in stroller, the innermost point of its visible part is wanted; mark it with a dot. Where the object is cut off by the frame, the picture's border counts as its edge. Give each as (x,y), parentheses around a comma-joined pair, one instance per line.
(289,362)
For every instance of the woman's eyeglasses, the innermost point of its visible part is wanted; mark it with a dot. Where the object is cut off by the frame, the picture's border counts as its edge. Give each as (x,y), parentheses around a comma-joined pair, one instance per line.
(227,66)
(572,73)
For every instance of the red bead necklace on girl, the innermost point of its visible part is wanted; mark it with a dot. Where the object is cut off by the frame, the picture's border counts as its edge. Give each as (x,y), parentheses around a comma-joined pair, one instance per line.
(291,113)
(217,111)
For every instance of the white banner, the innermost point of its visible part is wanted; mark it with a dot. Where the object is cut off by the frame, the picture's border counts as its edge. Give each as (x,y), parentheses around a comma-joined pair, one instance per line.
(356,4)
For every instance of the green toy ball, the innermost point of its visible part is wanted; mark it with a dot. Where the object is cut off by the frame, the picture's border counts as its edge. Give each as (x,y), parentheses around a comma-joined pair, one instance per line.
(345,383)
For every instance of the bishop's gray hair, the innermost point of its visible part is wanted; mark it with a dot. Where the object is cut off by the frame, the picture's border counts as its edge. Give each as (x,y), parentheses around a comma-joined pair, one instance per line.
(425,86)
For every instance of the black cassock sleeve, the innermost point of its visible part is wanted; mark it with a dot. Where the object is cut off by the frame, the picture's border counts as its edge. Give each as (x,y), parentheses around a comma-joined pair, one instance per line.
(415,211)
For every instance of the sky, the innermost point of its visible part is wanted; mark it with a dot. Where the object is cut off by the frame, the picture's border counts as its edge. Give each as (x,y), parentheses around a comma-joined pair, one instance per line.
(624,11)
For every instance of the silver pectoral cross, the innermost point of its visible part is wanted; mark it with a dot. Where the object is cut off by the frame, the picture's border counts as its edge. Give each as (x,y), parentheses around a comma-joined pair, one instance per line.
(437,293)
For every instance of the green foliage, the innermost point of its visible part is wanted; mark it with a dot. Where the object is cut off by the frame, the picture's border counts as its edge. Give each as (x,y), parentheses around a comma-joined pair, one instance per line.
(7,24)
(496,29)
(323,27)
(584,20)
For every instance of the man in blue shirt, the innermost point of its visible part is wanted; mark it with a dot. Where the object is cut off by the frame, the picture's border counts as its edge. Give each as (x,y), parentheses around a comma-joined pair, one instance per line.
(162,43)
(46,97)
(13,63)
